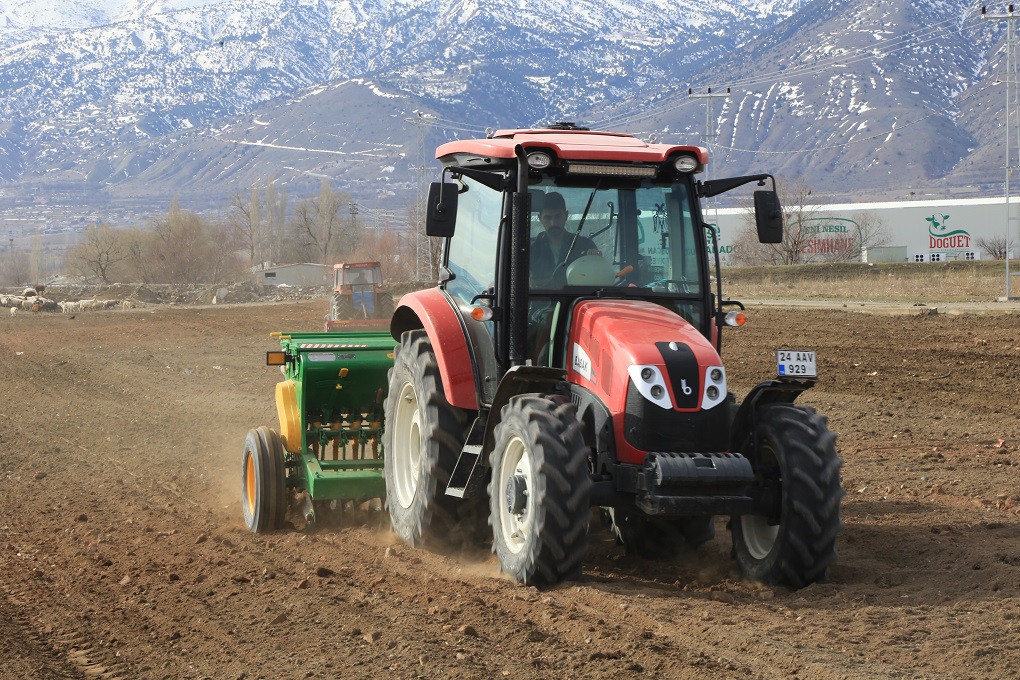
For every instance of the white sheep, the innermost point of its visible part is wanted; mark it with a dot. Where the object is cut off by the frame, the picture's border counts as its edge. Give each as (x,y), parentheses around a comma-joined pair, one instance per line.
(127,304)
(14,311)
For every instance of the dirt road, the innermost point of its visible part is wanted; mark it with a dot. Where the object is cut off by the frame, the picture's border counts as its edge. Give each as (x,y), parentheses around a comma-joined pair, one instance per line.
(123,554)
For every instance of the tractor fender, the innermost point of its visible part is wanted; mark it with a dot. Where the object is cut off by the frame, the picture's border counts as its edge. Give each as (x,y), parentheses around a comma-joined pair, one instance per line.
(290,418)
(743,429)
(520,380)
(431,310)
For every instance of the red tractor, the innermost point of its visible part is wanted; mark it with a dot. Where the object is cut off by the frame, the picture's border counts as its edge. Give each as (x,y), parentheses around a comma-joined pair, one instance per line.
(358,296)
(569,359)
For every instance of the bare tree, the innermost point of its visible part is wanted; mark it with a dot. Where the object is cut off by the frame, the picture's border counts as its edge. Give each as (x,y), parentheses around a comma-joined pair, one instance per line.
(13,268)
(138,243)
(324,230)
(868,232)
(797,214)
(259,220)
(809,236)
(390,250)
(995,247)
(223,261)
(185,248)
(100,250)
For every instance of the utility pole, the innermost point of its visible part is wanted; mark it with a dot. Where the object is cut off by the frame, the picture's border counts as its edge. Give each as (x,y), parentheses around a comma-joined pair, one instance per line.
(1012,120)
(710,136)
(423,249)
(354,216)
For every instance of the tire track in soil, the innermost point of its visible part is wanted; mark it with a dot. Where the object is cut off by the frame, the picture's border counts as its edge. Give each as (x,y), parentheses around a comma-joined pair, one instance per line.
(52,636)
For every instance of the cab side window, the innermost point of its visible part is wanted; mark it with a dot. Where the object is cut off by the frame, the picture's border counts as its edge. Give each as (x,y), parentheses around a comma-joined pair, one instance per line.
(472,252)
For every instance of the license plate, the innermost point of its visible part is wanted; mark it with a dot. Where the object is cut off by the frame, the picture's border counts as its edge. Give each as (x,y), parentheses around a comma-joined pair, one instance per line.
(794,363)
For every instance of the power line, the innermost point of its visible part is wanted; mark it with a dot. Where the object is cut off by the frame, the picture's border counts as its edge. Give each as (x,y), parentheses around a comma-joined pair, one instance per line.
(423,249)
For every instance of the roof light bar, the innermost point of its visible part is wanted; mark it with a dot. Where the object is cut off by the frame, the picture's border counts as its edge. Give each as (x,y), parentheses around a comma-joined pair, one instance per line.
(612,170)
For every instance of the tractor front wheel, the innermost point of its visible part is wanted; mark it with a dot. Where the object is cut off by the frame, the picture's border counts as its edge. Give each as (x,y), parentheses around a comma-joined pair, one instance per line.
(263,481)
(540,490)
(422,440)
(797,468)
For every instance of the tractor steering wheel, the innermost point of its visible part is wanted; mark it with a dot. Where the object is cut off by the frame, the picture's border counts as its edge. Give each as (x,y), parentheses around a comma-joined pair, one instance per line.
(682,284)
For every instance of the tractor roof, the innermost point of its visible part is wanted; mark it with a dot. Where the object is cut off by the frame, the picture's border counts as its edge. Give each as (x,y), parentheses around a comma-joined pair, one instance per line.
(569,145)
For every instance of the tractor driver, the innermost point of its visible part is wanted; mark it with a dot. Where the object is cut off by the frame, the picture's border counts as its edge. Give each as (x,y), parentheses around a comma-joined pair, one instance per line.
(555,248)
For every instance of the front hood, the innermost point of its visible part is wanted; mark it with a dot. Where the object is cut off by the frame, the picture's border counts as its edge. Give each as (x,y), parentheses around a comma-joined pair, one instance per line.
(612,341)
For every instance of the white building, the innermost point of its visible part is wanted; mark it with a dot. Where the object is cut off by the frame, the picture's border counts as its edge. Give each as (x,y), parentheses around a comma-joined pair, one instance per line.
(930,231)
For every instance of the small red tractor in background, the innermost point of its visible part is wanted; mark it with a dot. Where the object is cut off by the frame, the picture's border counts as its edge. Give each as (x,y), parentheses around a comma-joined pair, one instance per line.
(358,296)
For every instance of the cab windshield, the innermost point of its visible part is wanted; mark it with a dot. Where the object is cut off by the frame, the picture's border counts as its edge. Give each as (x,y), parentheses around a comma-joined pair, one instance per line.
(612,232)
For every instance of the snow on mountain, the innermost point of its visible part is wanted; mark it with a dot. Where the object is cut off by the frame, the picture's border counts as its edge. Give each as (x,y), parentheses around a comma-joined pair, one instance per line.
(131,97)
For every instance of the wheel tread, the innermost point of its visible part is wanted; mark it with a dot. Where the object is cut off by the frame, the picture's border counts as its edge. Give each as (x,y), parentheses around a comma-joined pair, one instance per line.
(559,457)
(805,545)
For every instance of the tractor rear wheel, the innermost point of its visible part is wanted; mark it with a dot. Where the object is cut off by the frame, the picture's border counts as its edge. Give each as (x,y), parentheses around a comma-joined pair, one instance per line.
(422,440)
(384,305)
(797,466)
(341,308)
(540,490)
(263,481)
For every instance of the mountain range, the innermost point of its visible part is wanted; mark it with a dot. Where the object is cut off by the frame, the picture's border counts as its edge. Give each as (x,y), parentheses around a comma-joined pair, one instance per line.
(121,104)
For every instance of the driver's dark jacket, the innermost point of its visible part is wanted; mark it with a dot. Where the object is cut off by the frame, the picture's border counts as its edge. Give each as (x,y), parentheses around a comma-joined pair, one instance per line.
(544,261)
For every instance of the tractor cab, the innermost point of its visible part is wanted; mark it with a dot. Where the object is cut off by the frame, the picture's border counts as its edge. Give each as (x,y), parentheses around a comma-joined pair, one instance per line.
(541,220)
(360,280)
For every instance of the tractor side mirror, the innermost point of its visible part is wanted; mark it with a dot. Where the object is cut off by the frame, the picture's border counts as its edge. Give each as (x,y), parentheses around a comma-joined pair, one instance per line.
(441,216)
(768,217)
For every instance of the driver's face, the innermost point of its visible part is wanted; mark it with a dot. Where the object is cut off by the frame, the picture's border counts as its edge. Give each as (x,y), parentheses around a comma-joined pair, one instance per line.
(553,219)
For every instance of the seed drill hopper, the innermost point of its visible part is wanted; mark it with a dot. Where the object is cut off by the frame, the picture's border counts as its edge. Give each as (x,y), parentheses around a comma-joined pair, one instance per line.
(328,447)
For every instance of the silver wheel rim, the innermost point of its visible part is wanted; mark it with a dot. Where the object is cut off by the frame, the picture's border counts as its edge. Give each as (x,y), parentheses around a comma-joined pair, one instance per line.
(406,453)
(759,535)
(515,528)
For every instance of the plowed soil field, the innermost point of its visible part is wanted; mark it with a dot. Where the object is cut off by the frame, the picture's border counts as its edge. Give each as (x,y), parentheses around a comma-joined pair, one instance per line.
(123,553)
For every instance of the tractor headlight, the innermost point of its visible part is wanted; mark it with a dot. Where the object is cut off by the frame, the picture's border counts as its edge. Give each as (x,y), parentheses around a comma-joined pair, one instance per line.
(686,164)
(651,385)
(539,160)
(715,387)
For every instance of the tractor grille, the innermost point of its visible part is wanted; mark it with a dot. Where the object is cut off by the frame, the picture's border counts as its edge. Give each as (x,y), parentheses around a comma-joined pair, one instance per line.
(648,427)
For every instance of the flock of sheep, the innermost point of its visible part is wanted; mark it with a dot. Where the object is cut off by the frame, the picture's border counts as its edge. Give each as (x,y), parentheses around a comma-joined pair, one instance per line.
(31,300)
